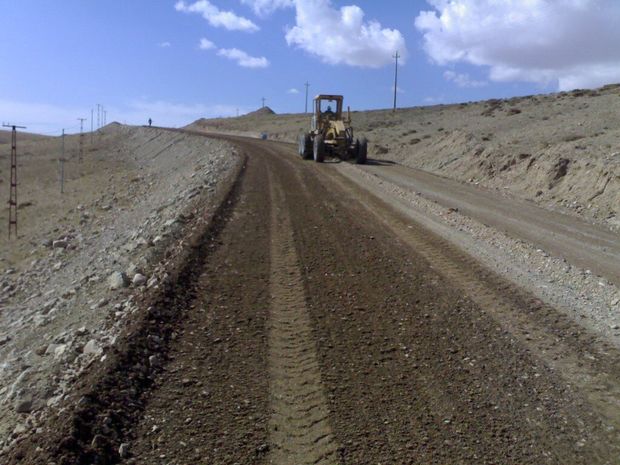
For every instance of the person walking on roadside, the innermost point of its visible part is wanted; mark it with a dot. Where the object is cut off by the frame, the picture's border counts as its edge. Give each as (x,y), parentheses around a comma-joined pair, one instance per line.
(150,121)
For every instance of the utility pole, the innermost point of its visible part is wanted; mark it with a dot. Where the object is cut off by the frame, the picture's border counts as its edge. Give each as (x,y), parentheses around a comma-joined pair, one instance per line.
(396,56)
(91,126)
(13,189)
(105,117)
(61,161)
(264,100)
(307,84)
(98,115)
(81,151)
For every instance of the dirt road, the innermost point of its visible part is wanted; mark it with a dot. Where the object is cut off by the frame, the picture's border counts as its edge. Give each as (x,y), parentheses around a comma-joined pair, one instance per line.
(583,244)
(319,325)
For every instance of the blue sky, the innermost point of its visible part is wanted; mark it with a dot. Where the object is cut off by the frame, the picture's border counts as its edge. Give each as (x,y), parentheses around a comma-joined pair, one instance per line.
(142,58)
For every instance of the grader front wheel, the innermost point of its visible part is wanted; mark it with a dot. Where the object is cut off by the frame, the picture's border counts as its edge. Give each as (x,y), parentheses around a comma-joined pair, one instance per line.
(319,149)
(361,154)
(305,146)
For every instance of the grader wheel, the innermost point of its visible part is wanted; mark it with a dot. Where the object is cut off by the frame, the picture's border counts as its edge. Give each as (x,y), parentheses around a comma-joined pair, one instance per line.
(319,149)
(361,151)
(305,146)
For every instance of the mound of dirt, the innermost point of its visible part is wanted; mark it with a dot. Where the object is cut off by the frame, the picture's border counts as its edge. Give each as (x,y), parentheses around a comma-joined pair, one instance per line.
(260,112)
(67,284)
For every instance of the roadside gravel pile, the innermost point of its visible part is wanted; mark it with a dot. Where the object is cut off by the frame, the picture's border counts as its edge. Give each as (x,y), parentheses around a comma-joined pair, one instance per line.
(561,151)
(590,300)
(68,286)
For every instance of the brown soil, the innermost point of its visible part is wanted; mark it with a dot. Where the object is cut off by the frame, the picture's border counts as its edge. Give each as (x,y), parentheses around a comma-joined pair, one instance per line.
(306,328)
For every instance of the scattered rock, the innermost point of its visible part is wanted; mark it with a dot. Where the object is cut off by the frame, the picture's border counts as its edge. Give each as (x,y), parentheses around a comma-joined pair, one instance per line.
(100,304)
(139,280)
(60,350)
(81,331)
(23,404)
(19,429)
(118,280)
(60,244)
(91,347)
(123,450)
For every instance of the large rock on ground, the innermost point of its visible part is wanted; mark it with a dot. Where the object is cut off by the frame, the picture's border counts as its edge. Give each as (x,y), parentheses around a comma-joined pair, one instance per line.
(118,280)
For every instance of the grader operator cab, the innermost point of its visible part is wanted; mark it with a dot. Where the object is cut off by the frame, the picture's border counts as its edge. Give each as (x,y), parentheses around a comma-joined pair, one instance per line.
(331,134)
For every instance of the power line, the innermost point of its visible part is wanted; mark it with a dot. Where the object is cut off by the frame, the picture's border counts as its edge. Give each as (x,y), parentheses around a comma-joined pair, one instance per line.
(13,189)
(396,56)
(61,161)
(307,84)
(81,151)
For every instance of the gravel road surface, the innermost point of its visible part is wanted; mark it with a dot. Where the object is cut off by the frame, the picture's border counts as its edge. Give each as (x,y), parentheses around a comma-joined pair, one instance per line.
(316,324)
(589,246)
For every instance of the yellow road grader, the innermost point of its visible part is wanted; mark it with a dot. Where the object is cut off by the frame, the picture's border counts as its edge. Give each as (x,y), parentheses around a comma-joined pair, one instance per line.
(331,134)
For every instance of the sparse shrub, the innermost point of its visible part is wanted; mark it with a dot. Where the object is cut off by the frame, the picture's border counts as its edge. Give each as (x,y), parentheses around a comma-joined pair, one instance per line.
(414,141)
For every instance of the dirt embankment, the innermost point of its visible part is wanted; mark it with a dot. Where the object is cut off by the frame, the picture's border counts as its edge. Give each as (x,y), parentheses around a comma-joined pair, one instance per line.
(561,150)
(69,284)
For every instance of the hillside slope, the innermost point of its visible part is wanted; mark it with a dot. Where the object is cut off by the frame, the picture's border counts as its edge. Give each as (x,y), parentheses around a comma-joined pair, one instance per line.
(560,150)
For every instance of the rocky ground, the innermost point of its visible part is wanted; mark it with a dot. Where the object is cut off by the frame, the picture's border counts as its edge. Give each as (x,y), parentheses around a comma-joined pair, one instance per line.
(591,300)
(180,302)
(68,284)
(318,323)
(561,150)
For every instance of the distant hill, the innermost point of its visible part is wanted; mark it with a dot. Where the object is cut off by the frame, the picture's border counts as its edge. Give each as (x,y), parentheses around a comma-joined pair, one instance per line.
(261,112)
(5,136)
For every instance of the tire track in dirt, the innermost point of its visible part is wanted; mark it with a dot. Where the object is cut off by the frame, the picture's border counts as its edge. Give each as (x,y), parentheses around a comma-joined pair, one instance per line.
(299,428)
(583,361)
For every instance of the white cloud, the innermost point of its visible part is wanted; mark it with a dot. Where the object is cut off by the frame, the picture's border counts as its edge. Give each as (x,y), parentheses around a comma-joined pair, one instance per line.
(341,35)
(243,59)
(266,7)
(462,79)
(292,91)
(216,17)
(44,118)
(206,44)
(573,43)
(165,44)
